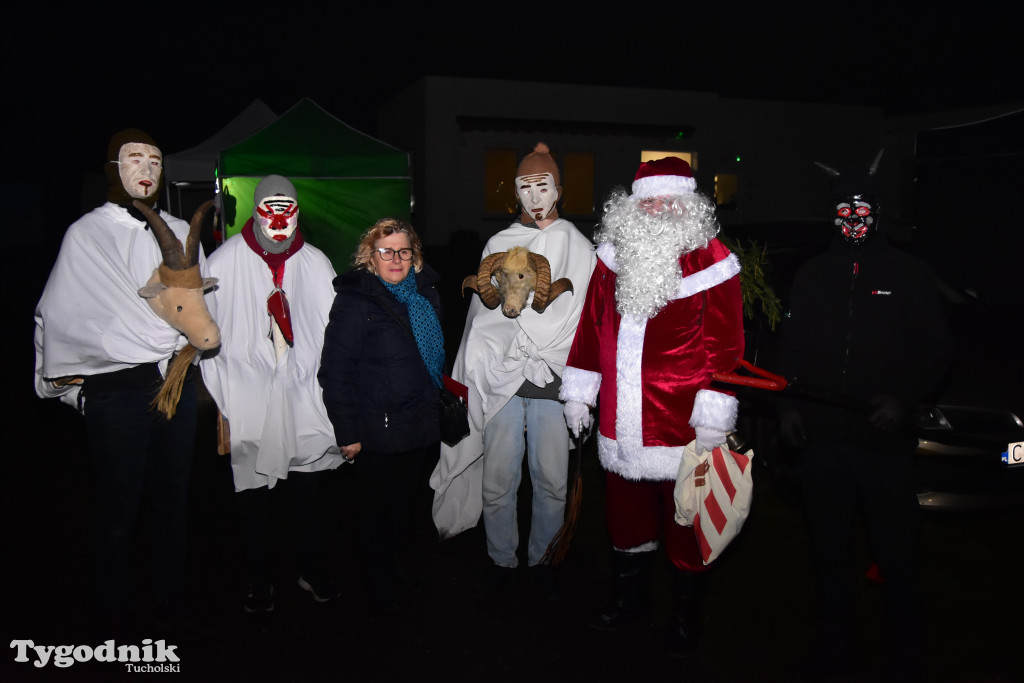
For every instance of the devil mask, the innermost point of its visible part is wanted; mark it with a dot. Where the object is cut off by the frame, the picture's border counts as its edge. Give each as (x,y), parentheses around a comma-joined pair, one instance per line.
(855,218)
(855,209)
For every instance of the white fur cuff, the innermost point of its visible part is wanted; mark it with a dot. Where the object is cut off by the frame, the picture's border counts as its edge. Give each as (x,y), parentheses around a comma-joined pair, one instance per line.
(714,410)
(580,386)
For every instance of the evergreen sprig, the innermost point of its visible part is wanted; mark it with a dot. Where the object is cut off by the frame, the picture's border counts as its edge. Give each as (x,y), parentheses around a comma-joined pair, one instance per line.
(757,291)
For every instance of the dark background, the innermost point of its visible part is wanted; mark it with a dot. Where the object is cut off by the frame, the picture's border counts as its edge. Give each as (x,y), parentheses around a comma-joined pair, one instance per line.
(74,75)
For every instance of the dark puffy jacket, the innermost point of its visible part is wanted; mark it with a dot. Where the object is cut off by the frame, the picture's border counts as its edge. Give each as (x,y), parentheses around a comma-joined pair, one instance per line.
(864,321)
(376,388)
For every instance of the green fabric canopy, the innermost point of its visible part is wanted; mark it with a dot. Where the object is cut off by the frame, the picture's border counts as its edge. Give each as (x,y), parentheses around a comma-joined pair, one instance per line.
(345,179)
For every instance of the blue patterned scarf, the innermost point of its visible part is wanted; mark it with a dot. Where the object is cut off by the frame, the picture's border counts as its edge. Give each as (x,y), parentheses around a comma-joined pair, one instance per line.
(425,326)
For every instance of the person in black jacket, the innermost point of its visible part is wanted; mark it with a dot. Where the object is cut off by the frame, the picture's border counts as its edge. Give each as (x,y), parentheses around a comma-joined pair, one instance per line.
(381,372)
(866,327)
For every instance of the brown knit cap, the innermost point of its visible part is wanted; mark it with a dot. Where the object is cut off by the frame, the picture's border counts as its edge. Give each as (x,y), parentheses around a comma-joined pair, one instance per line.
(539,161)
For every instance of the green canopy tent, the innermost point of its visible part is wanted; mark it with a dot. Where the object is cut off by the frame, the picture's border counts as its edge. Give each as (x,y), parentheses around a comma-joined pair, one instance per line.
(345,180)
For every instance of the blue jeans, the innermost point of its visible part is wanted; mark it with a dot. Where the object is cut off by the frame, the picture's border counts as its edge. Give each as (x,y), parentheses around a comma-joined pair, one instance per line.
(538,425)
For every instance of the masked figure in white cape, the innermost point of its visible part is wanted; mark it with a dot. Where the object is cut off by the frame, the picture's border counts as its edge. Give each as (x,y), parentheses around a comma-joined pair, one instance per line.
(512,368)
(272,305)
(101,348)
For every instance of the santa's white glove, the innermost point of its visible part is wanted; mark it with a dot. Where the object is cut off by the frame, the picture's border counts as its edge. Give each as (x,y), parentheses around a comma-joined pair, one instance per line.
(576,414)
(708,439)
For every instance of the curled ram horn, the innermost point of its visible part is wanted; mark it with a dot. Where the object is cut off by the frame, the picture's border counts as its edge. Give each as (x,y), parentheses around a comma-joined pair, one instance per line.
(481,282)
(547,291)
(518,273)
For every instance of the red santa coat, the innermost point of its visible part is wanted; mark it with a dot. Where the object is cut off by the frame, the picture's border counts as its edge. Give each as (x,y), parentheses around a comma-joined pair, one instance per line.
(654,375)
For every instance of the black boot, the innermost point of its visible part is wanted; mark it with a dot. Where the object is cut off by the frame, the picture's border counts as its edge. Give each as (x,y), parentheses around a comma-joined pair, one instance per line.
(630,591)
(684,624)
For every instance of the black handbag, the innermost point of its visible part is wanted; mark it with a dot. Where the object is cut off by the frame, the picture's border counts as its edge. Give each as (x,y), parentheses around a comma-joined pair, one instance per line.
(452,412)
(453,416)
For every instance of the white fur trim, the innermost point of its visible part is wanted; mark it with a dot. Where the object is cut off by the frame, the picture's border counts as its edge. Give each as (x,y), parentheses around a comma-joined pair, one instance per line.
(694,283)
(629,352)
(714,410)
(662,186)
(648,547)
(712,276)
(634,461)
(606,252)
(580,385)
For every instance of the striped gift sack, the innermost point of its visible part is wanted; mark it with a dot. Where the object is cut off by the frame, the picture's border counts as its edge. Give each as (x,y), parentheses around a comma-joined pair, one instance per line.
(716,510)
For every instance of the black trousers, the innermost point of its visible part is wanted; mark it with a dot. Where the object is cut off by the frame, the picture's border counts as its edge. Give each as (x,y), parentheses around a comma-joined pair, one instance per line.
(302,490)
(391,486)
(837,479)
(141,461)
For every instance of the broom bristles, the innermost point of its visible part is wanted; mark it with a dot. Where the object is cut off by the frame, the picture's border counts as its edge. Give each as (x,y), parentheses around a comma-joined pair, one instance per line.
(166,401)
(559,546)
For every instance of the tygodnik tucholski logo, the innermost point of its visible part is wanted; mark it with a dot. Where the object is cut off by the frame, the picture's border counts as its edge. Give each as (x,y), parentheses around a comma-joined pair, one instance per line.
(150,656)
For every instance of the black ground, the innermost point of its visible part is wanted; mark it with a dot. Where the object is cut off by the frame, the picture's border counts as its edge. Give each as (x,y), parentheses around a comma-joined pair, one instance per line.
(759,616)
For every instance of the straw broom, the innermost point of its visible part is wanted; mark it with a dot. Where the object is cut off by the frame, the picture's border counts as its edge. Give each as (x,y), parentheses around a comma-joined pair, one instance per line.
(559,546)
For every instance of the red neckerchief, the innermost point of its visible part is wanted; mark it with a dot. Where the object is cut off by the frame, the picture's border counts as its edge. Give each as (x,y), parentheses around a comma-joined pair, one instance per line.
(274,261)
(277,303)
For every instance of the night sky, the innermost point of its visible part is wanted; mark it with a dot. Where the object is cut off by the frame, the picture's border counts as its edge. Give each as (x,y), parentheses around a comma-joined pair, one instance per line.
(180,71)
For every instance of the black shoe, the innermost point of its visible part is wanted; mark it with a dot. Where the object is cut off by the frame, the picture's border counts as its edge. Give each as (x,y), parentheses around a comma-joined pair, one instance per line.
(260,598)
(499,582)
(544,579)
(679,643)
(684,624)
(829,662)
(323,590)
(184,620)
(618,616)
(630,592)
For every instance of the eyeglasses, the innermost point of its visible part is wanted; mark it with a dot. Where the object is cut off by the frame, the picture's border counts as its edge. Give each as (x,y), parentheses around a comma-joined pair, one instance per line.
(387,254)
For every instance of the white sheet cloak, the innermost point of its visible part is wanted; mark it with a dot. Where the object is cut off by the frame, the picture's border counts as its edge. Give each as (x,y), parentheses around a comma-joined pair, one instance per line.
(90,318)
(497,354)
(274,406)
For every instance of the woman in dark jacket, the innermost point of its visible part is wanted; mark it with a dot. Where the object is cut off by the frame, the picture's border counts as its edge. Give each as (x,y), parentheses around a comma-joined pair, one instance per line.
(381,372)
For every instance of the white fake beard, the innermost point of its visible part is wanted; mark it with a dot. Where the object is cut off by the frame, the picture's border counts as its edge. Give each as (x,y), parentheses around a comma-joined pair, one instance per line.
(647,248)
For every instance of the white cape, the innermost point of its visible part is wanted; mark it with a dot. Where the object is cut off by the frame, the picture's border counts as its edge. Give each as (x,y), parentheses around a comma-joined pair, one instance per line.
(274,405)
(497,354)
(90,318)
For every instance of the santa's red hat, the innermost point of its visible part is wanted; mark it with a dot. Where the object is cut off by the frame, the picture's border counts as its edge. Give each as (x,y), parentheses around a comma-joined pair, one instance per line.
(663,177)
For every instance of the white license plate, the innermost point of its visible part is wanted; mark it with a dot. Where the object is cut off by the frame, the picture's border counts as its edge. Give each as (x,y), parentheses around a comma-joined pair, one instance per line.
(1014,454)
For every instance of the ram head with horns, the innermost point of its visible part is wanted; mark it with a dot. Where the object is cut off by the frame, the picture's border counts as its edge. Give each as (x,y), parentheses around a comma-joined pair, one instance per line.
(517,272)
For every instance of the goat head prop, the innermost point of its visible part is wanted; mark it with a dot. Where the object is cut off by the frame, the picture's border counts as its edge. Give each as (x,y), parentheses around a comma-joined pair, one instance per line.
(518,272)
(175,293)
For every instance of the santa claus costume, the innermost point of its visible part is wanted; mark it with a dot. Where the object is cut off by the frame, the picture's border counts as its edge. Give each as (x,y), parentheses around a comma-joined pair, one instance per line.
(663,312)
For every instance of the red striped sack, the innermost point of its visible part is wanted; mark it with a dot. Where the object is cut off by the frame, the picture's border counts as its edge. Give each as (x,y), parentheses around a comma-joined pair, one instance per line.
(716,510)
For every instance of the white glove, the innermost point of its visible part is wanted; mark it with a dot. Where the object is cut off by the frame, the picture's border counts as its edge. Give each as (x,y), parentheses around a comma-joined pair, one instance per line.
(576,414)
(708,439)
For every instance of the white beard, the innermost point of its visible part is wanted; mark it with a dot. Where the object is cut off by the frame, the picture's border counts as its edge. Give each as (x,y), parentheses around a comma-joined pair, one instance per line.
(647,248)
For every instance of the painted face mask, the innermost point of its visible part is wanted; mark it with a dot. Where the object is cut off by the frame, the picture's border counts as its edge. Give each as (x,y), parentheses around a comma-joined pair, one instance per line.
(278,217)
(140,166)
(855,219)
(537,194)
